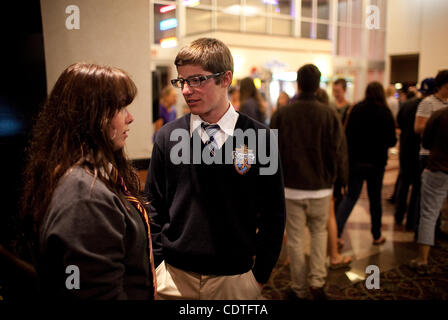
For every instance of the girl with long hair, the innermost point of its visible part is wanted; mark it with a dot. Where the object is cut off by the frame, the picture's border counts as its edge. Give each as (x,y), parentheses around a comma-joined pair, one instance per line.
(370,133)
(81,198)
(251,102)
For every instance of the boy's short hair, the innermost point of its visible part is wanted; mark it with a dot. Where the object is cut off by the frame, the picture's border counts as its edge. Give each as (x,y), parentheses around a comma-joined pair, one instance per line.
(211,54)
(441,78)
(342,82)
(308,78)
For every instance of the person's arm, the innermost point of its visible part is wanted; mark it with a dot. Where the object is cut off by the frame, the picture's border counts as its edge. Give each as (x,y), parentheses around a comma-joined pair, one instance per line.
(420,124)
(341,152)
(89,234)
(429,134)
(272,220)
(158,124)
(155,192)
(424,111)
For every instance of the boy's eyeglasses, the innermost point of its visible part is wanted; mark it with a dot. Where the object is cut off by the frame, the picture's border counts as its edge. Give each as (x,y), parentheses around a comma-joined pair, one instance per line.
(194,81)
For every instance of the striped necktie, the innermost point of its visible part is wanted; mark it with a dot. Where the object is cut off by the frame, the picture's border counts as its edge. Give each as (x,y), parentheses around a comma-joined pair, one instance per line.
(211,130)
(141,209)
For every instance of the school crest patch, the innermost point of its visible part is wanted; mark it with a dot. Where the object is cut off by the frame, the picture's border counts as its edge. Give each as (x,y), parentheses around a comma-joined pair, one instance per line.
(243,159)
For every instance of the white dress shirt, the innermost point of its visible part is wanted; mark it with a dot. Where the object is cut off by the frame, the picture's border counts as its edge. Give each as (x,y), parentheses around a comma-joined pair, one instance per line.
(226,126)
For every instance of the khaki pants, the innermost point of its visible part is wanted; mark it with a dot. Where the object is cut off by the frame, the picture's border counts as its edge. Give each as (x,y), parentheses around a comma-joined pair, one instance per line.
(312,213)
(174,283)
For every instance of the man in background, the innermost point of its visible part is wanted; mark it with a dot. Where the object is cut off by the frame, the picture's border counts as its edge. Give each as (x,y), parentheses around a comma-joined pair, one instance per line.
(314,152)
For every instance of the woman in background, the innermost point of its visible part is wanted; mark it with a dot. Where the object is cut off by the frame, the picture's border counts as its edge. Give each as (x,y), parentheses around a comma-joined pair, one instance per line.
(337,260)
(234,97)
(370,133)
(81,195)
(251,102)
(167,112)
(282,100)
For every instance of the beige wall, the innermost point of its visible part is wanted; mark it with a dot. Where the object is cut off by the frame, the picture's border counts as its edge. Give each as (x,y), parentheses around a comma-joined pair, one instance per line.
(404,26)
(112,32)
(251,50)
(418,27)
(434,40)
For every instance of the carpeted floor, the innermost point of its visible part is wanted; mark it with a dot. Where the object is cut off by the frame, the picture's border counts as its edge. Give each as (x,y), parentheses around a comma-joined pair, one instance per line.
(400,283)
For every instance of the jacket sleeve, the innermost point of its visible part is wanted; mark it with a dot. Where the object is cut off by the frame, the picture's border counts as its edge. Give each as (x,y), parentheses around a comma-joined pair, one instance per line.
(89,234)
(271,224)
(155,192)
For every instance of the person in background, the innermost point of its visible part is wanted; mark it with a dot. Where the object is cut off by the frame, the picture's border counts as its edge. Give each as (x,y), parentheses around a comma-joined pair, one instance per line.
(392,102)
(81,196)
(406,93)
(167,112)
(234,97)
(251,102)
(313,151)
(213,237)
(282,100)
(341,104)
(409,154)
(323,97)
(343,108)
(426,108)
(370,133)
(434,184)
(337,260)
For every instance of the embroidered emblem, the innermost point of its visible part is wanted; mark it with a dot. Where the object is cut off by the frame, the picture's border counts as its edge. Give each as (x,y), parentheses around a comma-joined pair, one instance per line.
(243,159)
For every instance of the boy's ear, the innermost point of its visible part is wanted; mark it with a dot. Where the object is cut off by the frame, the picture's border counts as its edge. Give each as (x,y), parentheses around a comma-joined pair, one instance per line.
(227,78)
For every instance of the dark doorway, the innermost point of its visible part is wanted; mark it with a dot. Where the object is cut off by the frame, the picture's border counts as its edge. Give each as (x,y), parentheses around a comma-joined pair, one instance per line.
(404,68)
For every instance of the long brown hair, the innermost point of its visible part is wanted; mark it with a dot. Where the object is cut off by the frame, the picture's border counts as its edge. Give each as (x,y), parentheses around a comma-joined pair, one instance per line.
(71,129)
(375,93)
(248,90)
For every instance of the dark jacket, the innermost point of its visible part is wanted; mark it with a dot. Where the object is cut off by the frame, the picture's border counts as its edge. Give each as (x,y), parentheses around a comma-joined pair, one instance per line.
(370,133)
(409,140)
(312,144)
(88,226)
(206,216)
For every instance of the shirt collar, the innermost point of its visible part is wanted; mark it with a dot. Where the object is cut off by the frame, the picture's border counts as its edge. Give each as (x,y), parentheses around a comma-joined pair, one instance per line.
(226,123)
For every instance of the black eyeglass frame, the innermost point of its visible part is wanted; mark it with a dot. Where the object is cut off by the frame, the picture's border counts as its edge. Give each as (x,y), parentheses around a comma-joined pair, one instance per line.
(174,82)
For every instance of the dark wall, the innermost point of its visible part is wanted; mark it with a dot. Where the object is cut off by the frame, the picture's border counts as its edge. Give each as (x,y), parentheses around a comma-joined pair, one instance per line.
(22,92)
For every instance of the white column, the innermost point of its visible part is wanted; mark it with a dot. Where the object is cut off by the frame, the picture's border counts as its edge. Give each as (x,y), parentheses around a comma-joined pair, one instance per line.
(112,32)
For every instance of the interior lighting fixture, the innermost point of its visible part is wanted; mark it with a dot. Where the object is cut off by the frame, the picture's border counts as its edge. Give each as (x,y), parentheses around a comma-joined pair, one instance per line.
(168,24)
(170,42)
(191,3)
(236,9)
(168,8)
(257,83)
